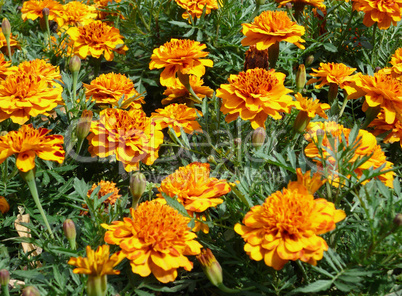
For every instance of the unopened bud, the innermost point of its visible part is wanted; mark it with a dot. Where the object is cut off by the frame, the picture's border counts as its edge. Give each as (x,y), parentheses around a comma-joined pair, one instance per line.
(288,5)
(398,219)
(258,137)
(138,183)
(4,277)
(70,232)
(45,11)
(301,121)
(211,159)
(320,136)
(75,64)
(300,78)
(377,69)
(6,27)
(309,60)
(30,291)
(84,124)
(211,267)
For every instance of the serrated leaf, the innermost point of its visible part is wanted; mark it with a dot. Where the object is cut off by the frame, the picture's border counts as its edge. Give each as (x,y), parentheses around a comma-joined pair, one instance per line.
(330,47)
(320,285)
(180,24)
(342,286)
(176,205)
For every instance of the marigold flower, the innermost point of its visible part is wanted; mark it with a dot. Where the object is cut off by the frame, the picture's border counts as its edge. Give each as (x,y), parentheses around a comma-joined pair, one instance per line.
(106,187)
(129,135)
(253,95)
(179,55)
(76,14)
(177,116)
(4,206)
(32,10)
(5,67)
(393,130)
(311,107)
(382,12)
(28,142)
(155,240)
(312,184)
(196,7)
(43,69)
(286,227)
(366,146)
(271,27)
(177,92)
(108,89)
(396,62)
(95,39)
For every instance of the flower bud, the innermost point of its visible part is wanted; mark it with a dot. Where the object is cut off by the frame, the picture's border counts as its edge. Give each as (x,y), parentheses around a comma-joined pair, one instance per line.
(138,183)
(258,137)
(30,291)
(211,267)
(6,27)
(398,219)
(377,69)
(84,124)
(4,277)
(45,11)
(300,78)
(211,159)
(75,64)
(70,232)
(301,121)
(4,206)
(320,137)
(309,60)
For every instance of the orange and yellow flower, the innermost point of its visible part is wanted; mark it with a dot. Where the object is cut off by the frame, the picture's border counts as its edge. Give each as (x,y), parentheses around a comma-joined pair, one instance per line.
(177,92)
(96,39)
(32,10)
(195,8)
(28,143)
(311,107)
(108,89)
(393,130)
(4,206)
(286,227)
(43,69)
(179,55)
(253,95)
(76,14)
(5,67)
(271,27)
(156,240)
(382,12)
(396,62)
(366,144)
(106,187)
(177,116)
(312,184)
(97,263)
(129,135)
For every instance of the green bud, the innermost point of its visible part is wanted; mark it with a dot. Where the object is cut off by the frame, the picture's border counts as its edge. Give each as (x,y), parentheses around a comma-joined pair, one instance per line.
(258,137)
(30,291)
(6,27)
(320,137)
(75,64)
(70,232)
(138,183)
(398,219)
(45,11)
(4,277)
(309,60)
(84,124)
(211,267)
(300,78)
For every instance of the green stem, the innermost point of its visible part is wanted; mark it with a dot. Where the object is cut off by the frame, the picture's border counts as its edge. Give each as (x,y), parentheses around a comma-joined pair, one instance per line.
(4,290)
(196,98)
(9,47)
(29,177)
(48,31)
(225,289)
(79,145)
(75,78)
(345,102)
(374,56)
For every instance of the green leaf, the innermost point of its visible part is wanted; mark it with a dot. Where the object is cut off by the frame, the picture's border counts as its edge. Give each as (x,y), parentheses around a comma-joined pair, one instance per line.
(180,24)
(320,285)
(176,205)
(81,187)
(342,286)
(330,47)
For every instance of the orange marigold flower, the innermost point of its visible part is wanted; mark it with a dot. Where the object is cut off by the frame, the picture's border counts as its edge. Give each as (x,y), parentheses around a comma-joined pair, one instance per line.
(271,27)
(5,67)
(156,240)
(177,116)
(253,95)
(301,3)
(97,263)
(382,12)
(177,92)
(4,206)
(95,39)
(312,184)
(195,8)
(366,146)
(108,89)
(43,69)
(286,227)
(181,55)
(311,107)
(106,187)
(76,14)
(28,92)
(28,142)
(396,62)
(129,135)
(32,10)
(393,130)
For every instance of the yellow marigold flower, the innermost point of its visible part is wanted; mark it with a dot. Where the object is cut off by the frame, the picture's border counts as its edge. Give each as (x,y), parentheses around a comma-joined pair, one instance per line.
(32,10)
(106,187)
(253,95)
(108,89)
(43,69)
(181,55)
(177,116)
(4,206)
(76,14)
(194,188)
(301,3)
(25,94)
(271,27)
(177,92)
(95,39)
(366,146)
(5,67)
(129,135)
(286,227)
(312,184)
(28,142)
(382,12)
(311,107)
(393,130)
(156,240)
(97,262)
(196,7)
(384,91)
(396,62)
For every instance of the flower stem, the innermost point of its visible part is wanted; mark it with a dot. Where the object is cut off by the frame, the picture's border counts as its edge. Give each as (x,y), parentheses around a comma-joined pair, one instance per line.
(9,47)
(374,56)
(48,31)
(4,290)
(29,177)
(75,78)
